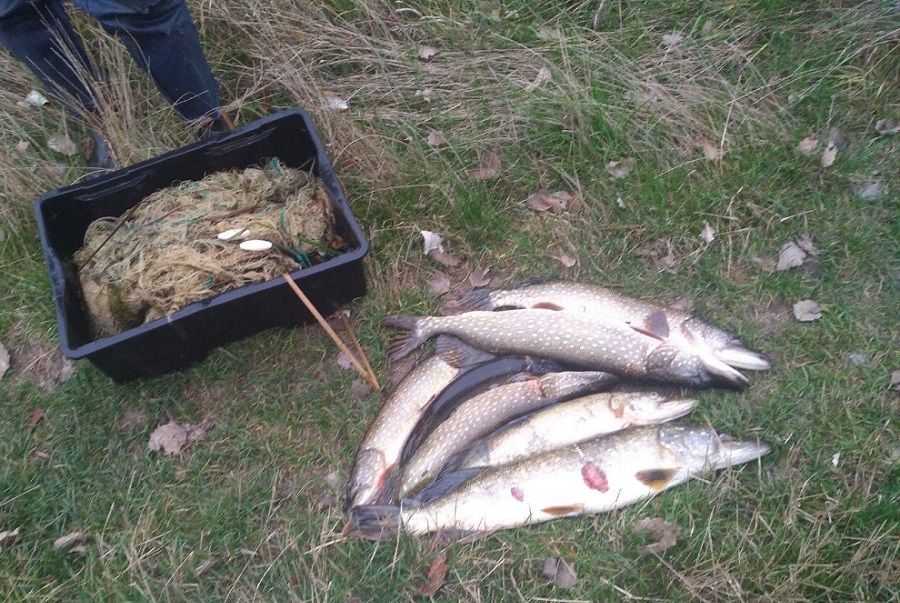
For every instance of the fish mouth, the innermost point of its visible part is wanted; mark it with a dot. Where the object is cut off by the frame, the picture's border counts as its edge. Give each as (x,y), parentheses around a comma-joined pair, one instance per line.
(723,372)
(737,452)
(742,358)
(665,411)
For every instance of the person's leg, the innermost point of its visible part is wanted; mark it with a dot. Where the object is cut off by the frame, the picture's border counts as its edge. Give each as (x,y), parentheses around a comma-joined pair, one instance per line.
(161,37)
(40,34)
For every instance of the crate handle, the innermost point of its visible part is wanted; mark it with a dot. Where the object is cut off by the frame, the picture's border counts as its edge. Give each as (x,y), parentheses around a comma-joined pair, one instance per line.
(132,182)
(228,146)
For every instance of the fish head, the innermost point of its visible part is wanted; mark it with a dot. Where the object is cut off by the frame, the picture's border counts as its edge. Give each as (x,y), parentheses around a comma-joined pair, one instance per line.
(725,347)
(674,362)
(701,448)
(650,408)
(369,479)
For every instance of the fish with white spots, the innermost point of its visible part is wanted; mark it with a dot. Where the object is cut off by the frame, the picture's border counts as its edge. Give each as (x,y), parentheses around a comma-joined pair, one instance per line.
(571,337)
(482,413)
(601,474)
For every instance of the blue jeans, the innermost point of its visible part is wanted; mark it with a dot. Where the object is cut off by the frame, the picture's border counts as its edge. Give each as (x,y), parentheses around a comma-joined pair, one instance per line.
(159,34)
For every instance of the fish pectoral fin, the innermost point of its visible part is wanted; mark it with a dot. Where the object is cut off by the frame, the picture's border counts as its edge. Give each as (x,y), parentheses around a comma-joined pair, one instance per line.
(560,510)
(458,354)
(656,478)
(655,325)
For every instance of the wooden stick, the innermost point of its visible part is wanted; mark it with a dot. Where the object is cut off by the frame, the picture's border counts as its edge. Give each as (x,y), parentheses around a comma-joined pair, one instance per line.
(355,340)
(309,305)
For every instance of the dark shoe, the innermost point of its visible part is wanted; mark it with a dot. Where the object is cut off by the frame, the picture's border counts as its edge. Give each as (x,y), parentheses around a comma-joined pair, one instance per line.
(101,158)
(214,128)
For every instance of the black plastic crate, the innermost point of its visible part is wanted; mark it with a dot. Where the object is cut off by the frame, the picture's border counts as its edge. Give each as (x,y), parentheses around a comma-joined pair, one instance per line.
(189,335)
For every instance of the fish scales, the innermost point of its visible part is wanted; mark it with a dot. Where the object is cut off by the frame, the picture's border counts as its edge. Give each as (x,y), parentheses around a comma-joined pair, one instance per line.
(572,422)
(486,411)
(600,474)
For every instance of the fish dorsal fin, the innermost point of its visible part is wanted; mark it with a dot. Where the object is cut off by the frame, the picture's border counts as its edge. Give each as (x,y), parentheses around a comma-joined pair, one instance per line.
(560,510)
(655,325)
(656,478)
(545,305)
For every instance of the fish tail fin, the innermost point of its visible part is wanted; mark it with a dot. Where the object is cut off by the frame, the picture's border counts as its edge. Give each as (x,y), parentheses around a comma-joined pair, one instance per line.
(373,522)
(458,354)
(408,337)
(476,299)
(742,357)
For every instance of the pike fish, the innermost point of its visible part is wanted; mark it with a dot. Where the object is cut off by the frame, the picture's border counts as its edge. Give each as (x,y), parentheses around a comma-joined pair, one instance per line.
(484,412)
(598,475)
(576,338)
(377,455)
(593,300)
(572,422)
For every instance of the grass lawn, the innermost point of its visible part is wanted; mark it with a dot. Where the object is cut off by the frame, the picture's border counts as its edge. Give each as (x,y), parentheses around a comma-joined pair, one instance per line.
(758,123)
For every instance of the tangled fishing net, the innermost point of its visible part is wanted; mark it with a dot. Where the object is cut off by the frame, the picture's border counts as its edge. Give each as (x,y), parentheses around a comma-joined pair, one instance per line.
(168,253)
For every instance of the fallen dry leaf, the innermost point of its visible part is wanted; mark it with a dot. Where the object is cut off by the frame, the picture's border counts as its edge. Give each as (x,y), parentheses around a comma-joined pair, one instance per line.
(35,99)
(673,39)
(337,103)
(871,190)
(197,432)
(710,151)
(489,168)
(557,202)
(566,260)
(664,532)
(707,233)
(552,34)
(434,578)
(620,202)
(436,139)
(620,169)
(35,417)
(427,94)
(431,241)
(895,380)
(71,543)
(426,53)
(661,253)
(170,437)
(542,77)
(808,145)
(22,146)
(479,278)
(180,474)
(560,572)
(8,538)
(344,362)
(360,388)
(61,144)
(445,259)
(795,253)
(439,284)
(829,155)
(131,420)
(4,360)
(886,127)
(683,304)
(807,310)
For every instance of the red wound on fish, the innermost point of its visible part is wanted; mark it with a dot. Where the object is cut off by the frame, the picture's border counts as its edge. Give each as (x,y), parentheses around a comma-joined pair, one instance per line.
(594,478)
(517,493)
(537,387)
(546,306)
